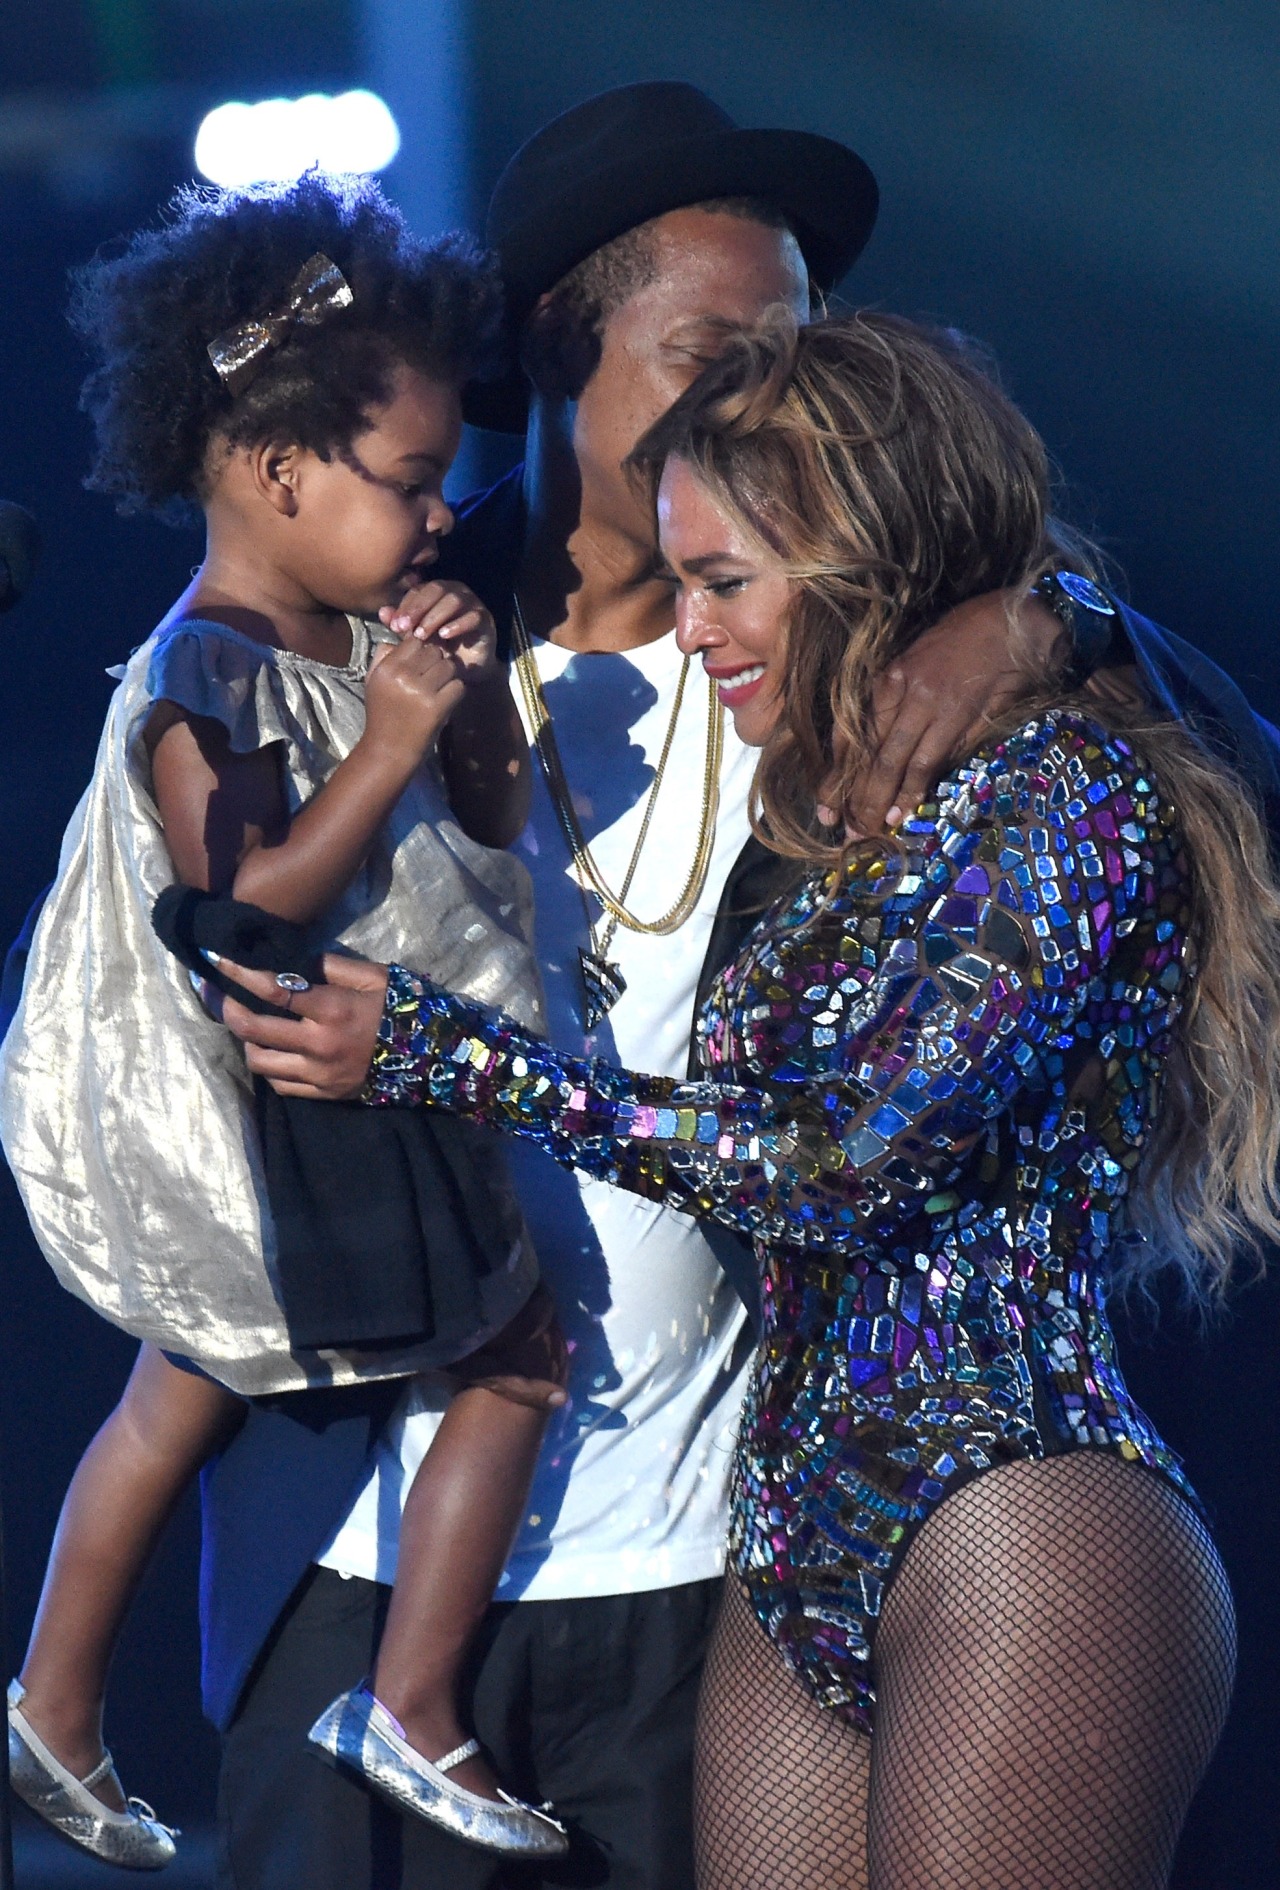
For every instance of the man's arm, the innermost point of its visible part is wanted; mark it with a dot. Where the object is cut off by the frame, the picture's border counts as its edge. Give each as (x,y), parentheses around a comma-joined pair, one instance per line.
(933,701)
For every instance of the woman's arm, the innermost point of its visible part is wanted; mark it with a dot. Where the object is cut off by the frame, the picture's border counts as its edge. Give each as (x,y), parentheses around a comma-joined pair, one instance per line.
(899,1063)
(1017,889)
(225,816)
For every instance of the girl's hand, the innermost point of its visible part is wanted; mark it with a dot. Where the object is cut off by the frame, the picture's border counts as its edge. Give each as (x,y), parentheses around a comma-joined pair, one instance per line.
(324,1047)
(484,756)
(453,616)
(410,692)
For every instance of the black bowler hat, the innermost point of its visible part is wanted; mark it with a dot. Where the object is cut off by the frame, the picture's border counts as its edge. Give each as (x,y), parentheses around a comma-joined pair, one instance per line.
(634,153)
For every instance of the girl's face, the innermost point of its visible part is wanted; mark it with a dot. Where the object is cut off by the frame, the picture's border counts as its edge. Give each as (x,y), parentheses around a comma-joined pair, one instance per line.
(731,605)
(367,521)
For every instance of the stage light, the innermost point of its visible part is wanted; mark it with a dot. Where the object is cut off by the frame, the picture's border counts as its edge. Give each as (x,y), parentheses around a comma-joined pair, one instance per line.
(279,138)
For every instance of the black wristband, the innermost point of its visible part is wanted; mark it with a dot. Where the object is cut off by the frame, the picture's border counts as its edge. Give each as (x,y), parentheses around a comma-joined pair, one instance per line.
(1087,615)
(193,923)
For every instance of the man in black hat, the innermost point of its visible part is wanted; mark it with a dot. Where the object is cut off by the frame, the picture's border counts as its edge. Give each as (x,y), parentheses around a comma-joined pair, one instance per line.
(632,231)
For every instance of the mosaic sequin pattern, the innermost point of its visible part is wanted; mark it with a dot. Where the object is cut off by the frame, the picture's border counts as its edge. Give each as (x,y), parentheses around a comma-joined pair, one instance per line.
(928,1087)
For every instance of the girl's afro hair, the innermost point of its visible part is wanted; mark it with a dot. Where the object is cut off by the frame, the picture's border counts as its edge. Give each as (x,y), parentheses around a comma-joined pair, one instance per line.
(219,258)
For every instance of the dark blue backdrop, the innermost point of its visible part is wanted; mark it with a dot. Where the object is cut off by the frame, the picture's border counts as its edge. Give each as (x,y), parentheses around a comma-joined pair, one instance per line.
(1093,190)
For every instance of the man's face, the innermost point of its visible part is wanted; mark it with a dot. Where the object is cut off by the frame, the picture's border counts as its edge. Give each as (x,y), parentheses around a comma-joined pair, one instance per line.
(712,269)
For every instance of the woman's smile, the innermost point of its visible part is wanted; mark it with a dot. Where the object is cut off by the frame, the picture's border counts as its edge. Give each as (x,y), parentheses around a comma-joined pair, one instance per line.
(732,601)
(738,685)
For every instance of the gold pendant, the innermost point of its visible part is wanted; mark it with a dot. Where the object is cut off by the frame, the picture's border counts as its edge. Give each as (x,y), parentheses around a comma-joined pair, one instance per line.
(603,983)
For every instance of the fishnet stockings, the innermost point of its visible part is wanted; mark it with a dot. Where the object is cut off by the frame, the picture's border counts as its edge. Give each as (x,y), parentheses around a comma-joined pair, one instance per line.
(1054,1666)
(780,1785)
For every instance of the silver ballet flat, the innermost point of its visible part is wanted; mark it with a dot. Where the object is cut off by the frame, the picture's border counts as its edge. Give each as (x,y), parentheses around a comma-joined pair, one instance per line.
(135,1838)
(357,1734)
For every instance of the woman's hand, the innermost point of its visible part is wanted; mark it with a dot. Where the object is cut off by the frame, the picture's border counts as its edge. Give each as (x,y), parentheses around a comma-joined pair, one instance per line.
(324,1047)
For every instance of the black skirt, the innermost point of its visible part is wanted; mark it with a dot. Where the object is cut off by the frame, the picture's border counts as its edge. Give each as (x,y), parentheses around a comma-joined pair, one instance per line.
(386,1219)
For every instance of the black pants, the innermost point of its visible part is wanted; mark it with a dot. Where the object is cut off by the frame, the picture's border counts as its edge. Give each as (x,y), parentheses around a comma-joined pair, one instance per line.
(588,1703)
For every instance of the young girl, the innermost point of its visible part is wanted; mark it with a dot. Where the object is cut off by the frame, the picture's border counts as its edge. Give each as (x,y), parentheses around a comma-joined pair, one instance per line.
(288,361)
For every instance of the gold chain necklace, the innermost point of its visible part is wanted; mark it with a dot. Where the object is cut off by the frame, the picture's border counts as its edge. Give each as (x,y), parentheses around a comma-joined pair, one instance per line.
(602,977)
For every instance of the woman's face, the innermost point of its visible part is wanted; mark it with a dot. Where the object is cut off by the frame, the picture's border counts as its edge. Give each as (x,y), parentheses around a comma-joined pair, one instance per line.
(731,604)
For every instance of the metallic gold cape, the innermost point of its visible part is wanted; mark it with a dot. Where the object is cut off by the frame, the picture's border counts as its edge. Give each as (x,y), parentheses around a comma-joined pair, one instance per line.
(126,1112)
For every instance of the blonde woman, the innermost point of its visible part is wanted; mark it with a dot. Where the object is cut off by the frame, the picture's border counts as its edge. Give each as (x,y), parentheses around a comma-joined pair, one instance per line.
(960,1079)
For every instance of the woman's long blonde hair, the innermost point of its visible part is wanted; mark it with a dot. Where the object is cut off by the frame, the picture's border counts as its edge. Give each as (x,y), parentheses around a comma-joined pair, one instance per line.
(879,463)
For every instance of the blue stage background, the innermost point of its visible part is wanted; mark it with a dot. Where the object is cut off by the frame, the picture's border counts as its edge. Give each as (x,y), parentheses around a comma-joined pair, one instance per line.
(1092,189)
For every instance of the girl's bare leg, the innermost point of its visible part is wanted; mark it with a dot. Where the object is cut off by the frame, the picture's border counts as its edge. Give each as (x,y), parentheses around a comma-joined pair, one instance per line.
(459,1522)
(168,1423)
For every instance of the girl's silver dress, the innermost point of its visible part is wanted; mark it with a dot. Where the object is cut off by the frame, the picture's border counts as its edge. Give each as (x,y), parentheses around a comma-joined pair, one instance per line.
(126,1112)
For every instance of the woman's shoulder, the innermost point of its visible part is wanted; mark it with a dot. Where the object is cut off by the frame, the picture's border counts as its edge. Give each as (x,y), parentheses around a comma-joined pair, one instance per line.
(1058,785)
(1061,781)
(1062,761)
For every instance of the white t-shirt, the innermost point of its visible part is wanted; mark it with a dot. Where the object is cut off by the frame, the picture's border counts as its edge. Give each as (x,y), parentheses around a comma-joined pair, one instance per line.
(631,1489)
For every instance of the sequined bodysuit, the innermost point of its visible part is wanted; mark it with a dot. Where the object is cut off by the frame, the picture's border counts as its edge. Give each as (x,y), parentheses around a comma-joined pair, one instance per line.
(928,1084)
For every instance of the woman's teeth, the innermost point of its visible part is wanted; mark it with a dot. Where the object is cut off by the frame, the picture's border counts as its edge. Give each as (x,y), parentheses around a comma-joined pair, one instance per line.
(742,678)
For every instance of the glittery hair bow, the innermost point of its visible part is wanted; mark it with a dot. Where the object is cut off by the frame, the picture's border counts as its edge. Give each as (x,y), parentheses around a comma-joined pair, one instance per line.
(318,291)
